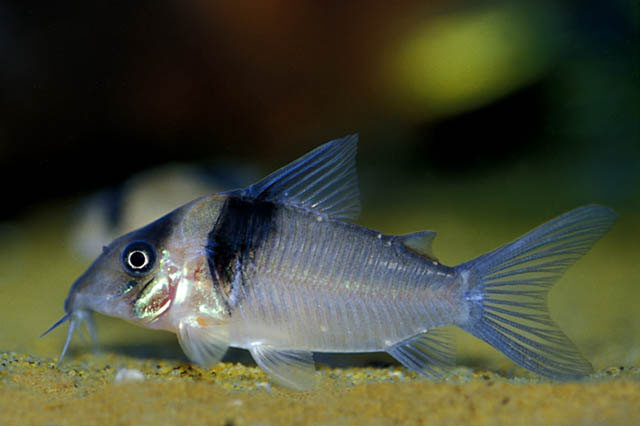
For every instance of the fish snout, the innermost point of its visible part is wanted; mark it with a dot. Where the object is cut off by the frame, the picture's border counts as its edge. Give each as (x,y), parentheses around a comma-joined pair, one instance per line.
(95,290)
(74,301)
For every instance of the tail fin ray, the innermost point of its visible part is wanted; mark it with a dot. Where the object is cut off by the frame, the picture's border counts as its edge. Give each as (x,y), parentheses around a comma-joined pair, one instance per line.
(508,287)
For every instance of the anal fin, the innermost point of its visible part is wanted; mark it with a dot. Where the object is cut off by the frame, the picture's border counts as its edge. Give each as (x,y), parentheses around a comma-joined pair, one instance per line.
(205,344)
(290,368)
(427,354)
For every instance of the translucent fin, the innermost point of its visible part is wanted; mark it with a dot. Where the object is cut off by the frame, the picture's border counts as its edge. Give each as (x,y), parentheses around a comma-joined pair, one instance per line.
(203,344)
(508,290)
(289,368)
(420,242)
(323,181)
(427,354)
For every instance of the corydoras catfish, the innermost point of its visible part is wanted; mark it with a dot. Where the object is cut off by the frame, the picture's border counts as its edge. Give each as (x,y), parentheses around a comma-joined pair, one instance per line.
(278,269)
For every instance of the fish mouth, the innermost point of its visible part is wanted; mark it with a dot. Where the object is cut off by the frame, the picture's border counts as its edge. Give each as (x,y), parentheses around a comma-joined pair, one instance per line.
(76,319)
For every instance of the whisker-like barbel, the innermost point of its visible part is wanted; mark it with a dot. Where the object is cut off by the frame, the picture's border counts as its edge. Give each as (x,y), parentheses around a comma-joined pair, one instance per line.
(72,325)
(54,326)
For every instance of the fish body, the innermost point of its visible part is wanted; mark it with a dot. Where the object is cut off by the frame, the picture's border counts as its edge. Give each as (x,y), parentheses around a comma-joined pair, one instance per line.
(319,282)
(277,268)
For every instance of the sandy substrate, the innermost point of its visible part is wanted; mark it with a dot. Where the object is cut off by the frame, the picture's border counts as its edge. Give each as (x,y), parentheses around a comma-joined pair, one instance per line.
(85,391)
(595,303)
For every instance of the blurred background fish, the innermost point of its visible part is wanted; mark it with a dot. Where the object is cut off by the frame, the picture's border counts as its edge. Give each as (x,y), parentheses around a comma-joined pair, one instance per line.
(143,198)
(489,115)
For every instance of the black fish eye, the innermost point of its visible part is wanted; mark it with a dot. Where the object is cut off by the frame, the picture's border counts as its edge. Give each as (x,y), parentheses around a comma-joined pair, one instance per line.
(138,258)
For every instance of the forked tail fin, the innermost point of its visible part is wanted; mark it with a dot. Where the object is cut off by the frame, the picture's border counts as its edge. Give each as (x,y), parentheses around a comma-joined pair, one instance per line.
(508,287)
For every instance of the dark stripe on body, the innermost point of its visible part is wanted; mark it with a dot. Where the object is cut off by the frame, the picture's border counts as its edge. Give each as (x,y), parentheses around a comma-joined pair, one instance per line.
(156,233)
(241,229)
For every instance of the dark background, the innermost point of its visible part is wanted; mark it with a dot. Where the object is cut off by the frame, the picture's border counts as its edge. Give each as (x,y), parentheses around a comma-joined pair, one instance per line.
(91,93)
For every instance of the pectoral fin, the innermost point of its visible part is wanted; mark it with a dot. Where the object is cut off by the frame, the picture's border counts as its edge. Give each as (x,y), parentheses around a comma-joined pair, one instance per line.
(204,344)
(289,368)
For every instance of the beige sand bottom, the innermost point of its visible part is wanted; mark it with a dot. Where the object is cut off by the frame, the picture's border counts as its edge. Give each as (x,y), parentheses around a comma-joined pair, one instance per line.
(37,391)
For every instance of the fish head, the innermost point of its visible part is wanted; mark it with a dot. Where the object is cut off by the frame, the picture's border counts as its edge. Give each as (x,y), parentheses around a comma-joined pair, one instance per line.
(133,279)
(114,280)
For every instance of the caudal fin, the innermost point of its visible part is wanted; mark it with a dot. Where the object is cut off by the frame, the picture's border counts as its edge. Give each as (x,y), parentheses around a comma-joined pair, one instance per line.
(508,287)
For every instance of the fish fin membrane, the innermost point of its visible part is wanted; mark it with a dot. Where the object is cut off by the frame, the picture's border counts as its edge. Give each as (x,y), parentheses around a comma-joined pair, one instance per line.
(324,181)
(420,243)
(203,345)
(428,354)
(508,287)
(289,368)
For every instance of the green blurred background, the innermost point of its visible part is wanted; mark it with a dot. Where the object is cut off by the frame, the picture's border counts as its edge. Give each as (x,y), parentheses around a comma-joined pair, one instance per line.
(477,119)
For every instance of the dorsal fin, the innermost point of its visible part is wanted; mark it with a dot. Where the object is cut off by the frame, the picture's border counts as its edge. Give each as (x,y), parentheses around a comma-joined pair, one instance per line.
(420,243)
(324,181)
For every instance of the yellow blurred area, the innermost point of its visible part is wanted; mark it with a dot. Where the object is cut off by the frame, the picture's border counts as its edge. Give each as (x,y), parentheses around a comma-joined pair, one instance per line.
(460,61)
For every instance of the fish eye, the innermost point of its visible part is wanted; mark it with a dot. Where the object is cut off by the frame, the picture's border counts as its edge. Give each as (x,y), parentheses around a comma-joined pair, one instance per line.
(138,258)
